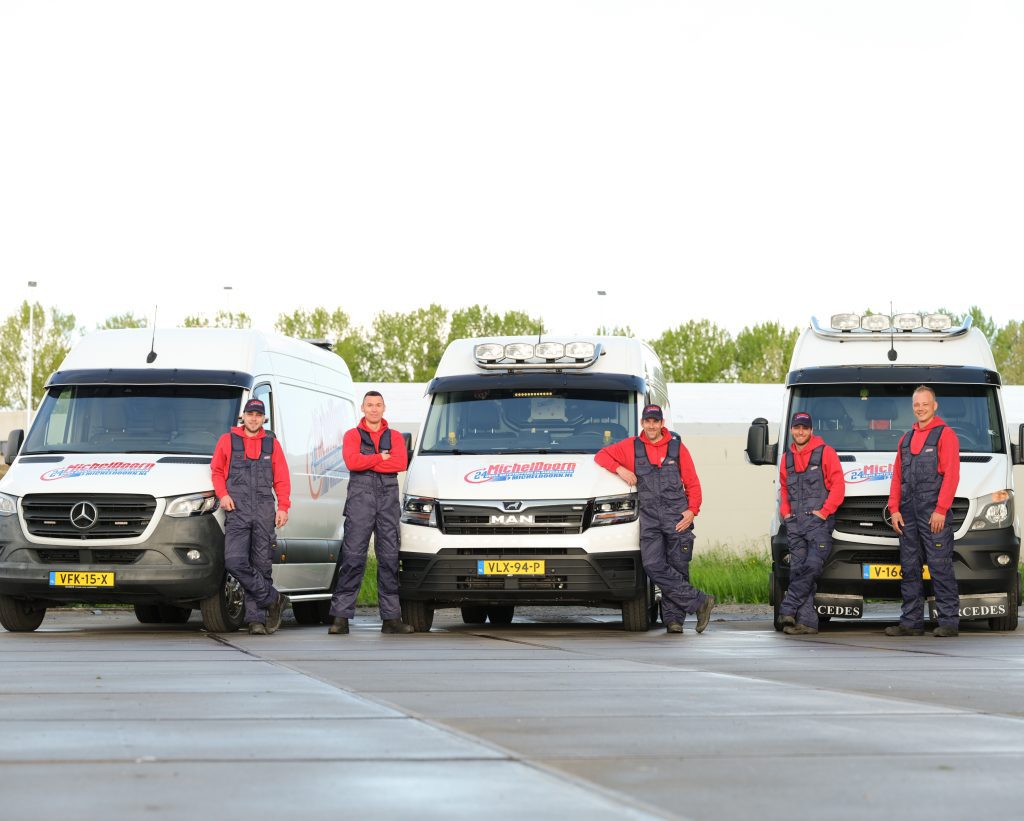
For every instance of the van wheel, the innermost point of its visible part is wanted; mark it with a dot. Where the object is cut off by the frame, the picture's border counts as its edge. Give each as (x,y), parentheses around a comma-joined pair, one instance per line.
(1009,621)
(148,613)
(474,615)
(502,614)
(306,612)
(418,614)
(654,610)
(777,593)
(636,612)
(171,614)
(20,616)
(224,611)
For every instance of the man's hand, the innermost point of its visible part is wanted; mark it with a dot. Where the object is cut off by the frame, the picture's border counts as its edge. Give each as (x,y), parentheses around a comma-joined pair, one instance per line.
(897,522)
(684,522)
(281,519)
(385,455)
(819,514)
(227,503)
(937,521)
(626,475)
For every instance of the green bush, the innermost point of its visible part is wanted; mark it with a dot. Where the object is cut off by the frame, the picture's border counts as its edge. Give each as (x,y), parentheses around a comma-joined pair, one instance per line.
(739,579)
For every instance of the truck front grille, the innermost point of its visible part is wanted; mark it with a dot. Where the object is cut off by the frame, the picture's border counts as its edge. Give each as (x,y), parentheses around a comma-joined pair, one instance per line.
(465,519)
(98,515)
(865,516)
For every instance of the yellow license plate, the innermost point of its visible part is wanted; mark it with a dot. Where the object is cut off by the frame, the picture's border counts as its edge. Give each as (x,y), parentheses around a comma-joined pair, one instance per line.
(80,578)
(876,572)
(510,567)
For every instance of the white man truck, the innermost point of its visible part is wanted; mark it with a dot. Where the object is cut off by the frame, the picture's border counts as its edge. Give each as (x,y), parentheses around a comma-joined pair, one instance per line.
(110,499)
(504,505)
(856,377)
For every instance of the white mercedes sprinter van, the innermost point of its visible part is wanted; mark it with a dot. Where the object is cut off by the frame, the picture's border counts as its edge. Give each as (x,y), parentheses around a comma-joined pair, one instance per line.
(504,504)
(109,498)
(856,377)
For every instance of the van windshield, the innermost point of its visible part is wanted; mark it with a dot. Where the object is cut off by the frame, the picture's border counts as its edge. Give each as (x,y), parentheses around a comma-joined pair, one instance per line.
(860,418)
(525,421)
(133,419)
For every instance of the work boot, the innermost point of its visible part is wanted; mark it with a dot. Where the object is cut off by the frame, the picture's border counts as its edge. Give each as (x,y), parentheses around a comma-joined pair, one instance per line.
(900,630)
(275,611)
(673,627)
(396,626)
(704,613)
(945,632)
(799,630)
(339,627)
(787,620)
(257,628)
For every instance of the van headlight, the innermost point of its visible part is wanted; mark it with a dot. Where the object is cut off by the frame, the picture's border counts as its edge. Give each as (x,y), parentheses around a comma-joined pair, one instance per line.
(994,510)
(614,510)
(419,510)
(195,504)
(8,505)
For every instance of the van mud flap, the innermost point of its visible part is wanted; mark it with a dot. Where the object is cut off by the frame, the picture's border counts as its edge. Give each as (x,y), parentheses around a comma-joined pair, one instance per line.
(838,606)
(982,606)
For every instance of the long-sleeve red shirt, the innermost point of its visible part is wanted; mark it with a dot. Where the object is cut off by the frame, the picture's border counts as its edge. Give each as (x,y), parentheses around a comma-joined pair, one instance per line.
(221,464)
(832,473)
(621,454)
(354,460)
(949,465)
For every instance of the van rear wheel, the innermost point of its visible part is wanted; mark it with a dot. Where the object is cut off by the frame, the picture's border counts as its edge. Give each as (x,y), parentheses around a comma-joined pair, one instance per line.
(418,614)
(148,613)
(224,611)
(306,612)
(474,614)
(172,614)
(20,616)
(636,612)
(502,614)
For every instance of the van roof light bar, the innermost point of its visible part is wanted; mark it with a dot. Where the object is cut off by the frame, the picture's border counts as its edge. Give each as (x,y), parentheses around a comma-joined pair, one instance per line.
(907,325)
(521,356)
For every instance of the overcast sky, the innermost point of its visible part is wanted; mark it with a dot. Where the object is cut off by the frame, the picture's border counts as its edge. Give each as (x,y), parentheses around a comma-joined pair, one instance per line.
(739,161)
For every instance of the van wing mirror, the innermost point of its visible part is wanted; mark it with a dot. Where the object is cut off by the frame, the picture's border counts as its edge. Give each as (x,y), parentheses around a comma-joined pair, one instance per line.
(759,452)
(15,439)
(408,444)
(1016,451)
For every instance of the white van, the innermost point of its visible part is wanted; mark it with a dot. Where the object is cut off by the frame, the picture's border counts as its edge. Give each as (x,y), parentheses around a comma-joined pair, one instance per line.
(504,504)
(109,498)
(856,378)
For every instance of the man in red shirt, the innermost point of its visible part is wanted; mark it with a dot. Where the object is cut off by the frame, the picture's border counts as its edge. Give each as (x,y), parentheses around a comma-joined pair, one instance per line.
(924,480)
(375,454)
(661,469)
(812,487)
(247,464)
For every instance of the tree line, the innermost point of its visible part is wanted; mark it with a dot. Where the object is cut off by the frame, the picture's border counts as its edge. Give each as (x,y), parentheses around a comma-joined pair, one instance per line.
(406,347)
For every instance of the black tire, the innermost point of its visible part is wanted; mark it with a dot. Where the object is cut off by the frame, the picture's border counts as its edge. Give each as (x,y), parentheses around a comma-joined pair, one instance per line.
(654,611)
(776,594)
(502,614)
(418,614)
(1009,621)
(171,614)
(636,612)
(474,615)
(148,613)
(20,616)
(224,611)
(307,612)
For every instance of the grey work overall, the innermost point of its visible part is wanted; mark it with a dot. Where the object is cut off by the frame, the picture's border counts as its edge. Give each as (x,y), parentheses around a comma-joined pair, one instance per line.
(371,507)
(810,537)
(249,528)
(919,494)
(665,553)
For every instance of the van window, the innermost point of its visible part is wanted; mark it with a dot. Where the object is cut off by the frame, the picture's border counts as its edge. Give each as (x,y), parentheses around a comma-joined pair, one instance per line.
(528,421)
(263,393)
(133,419)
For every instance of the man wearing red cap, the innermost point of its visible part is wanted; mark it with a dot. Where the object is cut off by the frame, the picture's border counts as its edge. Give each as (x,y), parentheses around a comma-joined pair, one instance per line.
(248,463)
(659,466)
(811,488)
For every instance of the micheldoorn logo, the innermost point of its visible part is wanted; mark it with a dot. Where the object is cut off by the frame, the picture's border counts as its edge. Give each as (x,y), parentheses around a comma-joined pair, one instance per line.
(525,470)
(99,469)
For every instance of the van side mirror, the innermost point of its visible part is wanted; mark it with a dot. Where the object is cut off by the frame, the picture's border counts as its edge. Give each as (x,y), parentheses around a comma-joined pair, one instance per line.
(408,444)
(759,452)
(1016,451)
(15,439)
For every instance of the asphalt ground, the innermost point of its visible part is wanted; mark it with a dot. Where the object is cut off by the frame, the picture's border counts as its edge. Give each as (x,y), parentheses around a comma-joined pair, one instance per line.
(560,715)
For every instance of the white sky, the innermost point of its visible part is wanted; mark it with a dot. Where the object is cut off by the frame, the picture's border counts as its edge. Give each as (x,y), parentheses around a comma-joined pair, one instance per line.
(738,161)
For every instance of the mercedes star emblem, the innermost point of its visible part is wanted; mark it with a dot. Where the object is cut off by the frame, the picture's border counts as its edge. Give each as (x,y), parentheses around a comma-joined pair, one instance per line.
(84,515)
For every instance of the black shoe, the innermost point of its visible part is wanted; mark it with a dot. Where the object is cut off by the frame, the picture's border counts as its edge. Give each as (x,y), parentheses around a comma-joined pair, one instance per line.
(944,632)
(787,620)
(339,627)
(396,626)
(799,630)
(257,629)
(275,611)
(900,630)
(673,627)
(704,614)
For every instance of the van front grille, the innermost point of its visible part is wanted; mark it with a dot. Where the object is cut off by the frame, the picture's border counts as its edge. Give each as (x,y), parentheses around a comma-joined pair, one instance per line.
(97,515)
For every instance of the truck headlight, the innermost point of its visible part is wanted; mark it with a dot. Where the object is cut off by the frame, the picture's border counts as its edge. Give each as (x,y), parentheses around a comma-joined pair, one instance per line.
(195,504)
(419,510)
(994,510)
(8,505)
(613,510)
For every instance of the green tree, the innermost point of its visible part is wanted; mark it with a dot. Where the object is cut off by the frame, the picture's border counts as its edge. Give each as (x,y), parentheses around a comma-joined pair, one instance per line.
(51,340)
(479,320)
(125,320)
(1008,350)
(347,340)
(696,351)
(222,319)
(763,352)
(616,330)
(406,347)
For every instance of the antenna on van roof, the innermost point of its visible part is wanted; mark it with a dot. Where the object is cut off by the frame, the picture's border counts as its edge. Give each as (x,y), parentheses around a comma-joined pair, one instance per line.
(151,356)
(892,337)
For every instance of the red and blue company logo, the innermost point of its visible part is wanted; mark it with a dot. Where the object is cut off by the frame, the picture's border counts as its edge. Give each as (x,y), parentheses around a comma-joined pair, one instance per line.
(524,470)
(869,473)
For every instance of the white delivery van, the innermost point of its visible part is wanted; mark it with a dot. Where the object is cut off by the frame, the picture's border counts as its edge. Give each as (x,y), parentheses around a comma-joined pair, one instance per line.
(856,377)
(109,498)
(504,504)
